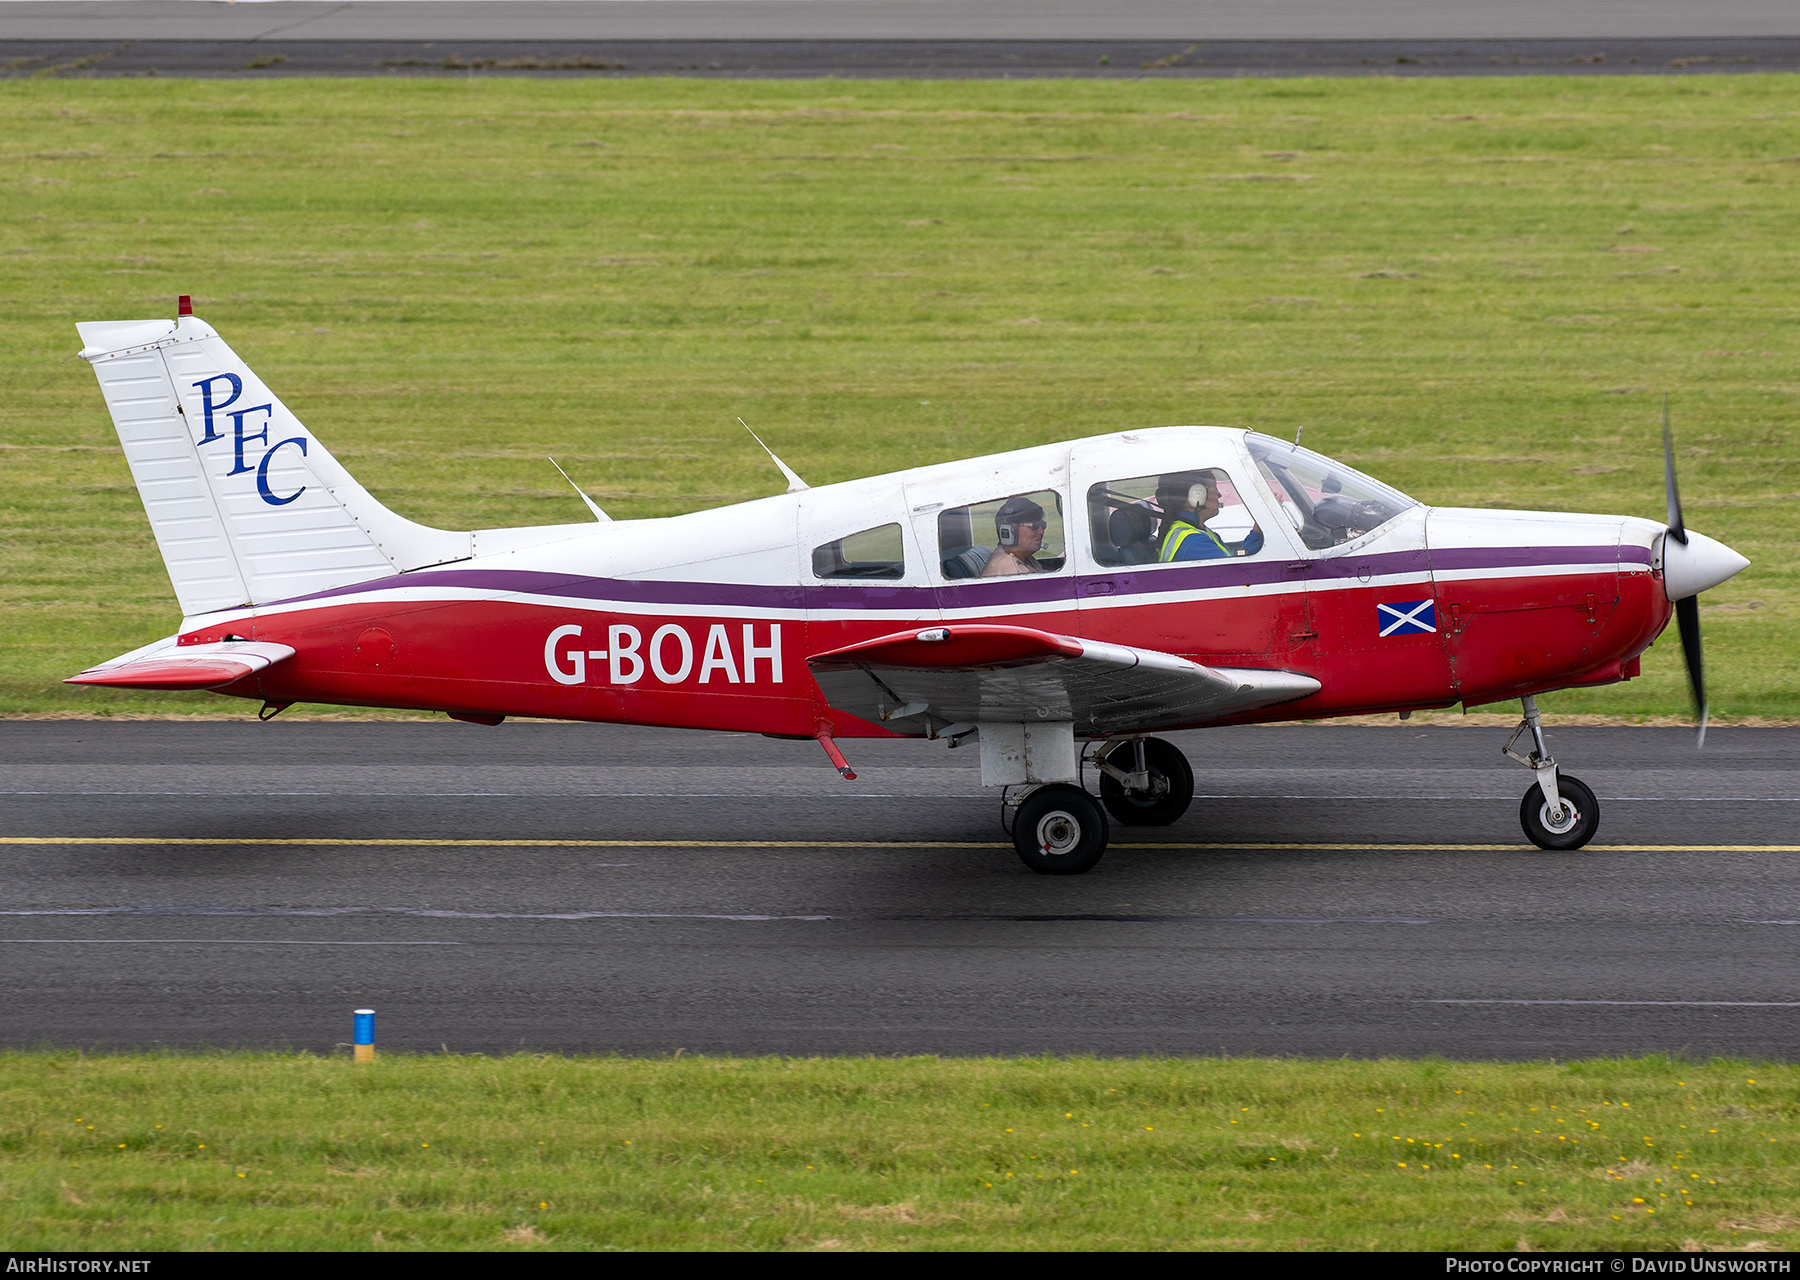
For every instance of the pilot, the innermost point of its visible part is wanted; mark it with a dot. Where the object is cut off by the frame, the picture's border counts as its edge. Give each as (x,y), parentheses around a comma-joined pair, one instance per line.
(1189,499)
(1019,527)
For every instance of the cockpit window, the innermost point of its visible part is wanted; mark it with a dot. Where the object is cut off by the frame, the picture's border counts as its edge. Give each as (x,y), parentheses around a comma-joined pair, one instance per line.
(873,553)
(1327,502)
(1022,533)
(1174,517)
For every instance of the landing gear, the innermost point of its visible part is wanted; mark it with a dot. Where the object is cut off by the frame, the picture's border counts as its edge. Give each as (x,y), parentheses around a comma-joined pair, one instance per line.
(1058,830)
(1145,782)
(1559,812)
(1570,826)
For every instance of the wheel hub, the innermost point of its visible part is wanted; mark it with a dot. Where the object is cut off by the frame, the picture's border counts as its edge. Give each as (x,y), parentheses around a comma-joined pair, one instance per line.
(1058,833)
(1559,823)
(1153,794)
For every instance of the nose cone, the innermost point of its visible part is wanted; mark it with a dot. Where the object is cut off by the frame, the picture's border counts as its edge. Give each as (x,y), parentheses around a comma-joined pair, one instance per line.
(1698,566)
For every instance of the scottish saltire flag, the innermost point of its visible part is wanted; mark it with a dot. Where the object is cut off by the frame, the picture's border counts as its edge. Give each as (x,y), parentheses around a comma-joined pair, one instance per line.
(1406,617)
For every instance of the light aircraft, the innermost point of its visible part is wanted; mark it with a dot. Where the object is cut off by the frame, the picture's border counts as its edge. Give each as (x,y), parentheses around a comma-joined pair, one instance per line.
(1055,605)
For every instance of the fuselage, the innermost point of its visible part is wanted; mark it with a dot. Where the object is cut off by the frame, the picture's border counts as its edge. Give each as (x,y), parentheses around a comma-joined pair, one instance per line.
(706,620)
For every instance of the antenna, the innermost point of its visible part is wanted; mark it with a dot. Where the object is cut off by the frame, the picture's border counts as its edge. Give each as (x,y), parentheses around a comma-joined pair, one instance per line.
(1297,431)
(591,504)
(795,483)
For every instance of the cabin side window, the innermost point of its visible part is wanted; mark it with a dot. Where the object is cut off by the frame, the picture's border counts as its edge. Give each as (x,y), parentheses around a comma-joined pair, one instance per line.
(872,553)
(1003,537)
(1171,518)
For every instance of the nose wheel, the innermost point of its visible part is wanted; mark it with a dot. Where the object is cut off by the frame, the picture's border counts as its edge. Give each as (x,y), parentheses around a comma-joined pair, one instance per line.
(1145,782)
(1559,812)
(1570,825)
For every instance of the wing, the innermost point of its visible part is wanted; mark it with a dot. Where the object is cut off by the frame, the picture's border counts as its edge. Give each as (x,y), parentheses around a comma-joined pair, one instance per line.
(965,675)
(192,666)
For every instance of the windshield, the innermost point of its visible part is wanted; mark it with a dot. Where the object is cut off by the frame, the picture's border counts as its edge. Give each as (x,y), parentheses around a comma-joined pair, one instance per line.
(1327,502)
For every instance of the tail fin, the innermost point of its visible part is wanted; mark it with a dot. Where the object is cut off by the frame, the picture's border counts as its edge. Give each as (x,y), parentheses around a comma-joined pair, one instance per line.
(247,506)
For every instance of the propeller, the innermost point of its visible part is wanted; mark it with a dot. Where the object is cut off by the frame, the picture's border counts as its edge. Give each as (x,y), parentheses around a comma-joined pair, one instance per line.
(1687,609)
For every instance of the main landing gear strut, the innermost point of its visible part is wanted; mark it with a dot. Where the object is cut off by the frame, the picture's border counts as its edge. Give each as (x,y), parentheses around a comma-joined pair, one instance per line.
(1559,812)
(1061,830)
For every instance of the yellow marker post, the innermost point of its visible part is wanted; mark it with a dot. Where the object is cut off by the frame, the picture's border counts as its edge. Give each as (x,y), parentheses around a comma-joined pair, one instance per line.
(365,1035)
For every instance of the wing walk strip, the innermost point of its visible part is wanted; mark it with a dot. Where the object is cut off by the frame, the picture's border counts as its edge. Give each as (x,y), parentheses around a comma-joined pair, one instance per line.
(1301,847)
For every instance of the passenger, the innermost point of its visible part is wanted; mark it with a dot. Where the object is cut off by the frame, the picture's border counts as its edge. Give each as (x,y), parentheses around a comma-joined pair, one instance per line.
(1019,526)
(1189,499)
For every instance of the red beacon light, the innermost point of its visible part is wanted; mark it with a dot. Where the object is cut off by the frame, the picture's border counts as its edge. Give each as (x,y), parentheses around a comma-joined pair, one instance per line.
(184,306)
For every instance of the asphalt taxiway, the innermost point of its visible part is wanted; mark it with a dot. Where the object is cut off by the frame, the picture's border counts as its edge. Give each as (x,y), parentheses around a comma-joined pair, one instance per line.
(895,38)
(1336,890)
(944,59)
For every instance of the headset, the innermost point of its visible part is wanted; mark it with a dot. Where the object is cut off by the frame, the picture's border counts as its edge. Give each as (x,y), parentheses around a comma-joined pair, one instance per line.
(1196,495)
(1008,531)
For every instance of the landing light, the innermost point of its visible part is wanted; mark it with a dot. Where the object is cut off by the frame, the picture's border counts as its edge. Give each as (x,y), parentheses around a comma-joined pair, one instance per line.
(935,634)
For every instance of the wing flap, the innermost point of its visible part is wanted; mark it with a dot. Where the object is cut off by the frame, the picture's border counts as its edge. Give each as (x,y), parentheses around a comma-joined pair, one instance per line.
(199,666)
(1018,675)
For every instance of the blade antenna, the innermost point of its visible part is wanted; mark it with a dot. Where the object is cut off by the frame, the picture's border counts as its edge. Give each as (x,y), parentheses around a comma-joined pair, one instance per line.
(795,483)
(591,504)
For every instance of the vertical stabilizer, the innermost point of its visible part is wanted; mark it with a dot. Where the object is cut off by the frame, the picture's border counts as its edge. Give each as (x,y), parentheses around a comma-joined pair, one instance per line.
(247,506)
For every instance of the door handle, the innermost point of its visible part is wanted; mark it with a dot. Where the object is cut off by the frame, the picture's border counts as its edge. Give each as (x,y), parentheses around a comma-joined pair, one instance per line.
(1097,589)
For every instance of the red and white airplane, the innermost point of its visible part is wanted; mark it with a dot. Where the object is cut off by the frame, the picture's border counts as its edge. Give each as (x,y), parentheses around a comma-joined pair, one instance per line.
(1055,605)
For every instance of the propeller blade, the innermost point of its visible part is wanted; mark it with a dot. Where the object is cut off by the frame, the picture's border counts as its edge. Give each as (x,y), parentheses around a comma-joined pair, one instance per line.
(1677,530)
(1687,618)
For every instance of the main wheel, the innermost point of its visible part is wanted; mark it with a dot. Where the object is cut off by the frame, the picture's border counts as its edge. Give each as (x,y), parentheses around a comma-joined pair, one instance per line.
(1060,831)
(1171,785)
(1569,829)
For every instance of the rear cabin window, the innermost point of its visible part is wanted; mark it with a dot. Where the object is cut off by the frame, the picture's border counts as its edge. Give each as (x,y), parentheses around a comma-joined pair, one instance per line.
(872,553)
(1176,517)
(1003,537)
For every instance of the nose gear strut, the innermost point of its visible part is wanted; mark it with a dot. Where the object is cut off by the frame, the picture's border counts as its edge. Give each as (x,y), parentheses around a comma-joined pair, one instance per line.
(1559,812)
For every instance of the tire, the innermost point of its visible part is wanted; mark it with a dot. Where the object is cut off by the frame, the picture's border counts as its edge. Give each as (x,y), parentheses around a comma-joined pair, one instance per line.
(1576,828)
(1060,831)
(1134,809)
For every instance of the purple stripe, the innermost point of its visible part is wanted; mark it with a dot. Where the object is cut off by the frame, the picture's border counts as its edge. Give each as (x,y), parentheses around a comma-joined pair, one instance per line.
(1533,557)
(1388,562)
(1035,589)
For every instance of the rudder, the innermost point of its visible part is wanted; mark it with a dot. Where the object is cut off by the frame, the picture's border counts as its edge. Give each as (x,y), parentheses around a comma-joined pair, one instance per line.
(247,506)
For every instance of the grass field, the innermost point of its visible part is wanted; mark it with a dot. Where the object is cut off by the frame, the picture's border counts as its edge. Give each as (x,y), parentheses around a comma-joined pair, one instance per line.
(1478,289)
(298,1152)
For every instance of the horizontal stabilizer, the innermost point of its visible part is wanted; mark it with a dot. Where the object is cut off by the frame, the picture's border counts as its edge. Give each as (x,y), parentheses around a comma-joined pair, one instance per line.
(196,666)
(974,674)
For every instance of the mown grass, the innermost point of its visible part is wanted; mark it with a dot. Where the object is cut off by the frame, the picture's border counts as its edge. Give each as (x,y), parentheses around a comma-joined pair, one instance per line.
(1478,289)
(242,1151)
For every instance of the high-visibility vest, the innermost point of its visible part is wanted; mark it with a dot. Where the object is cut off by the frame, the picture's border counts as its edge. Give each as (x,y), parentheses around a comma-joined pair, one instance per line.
(1180,533)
